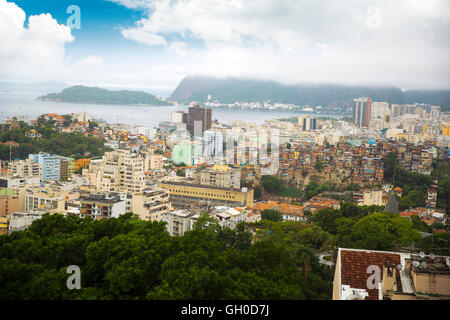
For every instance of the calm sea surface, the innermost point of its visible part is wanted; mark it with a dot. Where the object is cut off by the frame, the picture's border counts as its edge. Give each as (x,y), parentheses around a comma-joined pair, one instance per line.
(25,104)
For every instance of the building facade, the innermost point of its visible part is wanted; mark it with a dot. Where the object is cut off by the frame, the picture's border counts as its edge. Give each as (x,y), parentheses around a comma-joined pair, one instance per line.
(51,165)
(362,111)
(199,120)
(184,195)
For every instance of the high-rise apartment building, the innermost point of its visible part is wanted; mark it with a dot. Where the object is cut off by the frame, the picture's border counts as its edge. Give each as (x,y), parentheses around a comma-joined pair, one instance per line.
(307,123)
(199,120)
(400,109)
(212,144)
(361,111)
(119,171)
(378,110)
(51,165)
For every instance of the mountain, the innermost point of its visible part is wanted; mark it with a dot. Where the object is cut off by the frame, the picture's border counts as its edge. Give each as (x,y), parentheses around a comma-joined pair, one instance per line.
(230,90)
(94,95)
(434,97)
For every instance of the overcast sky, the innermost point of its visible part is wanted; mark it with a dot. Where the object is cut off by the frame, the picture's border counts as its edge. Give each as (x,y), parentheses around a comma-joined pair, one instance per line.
(154,44)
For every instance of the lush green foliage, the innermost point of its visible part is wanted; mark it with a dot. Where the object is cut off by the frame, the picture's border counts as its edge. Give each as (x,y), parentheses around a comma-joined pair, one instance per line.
(414,184)
(74,144)
(272,215)
(276,186)
(366,227)
(438,244)
(442,172)
(313,189)
(319,165)
(126,258)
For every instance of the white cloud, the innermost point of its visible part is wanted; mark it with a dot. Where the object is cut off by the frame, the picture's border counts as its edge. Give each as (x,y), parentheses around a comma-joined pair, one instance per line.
(34,50)
(90,62)
(364,41)
(284,40)
(178,47)
(142,36)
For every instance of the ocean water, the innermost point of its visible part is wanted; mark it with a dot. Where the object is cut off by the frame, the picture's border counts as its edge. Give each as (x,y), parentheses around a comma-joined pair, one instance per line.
(25,104)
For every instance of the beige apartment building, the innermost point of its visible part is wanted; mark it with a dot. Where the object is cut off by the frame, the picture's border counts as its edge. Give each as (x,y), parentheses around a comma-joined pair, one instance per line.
(151,204)
(9,202)
(24,168)
(153,161)
(47,200)
(368,197)
(219,176)
(118,171)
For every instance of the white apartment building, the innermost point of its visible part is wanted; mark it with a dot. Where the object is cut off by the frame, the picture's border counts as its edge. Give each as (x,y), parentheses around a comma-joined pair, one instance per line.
(379,110)
(18,182)
(178,222)
(212,144)
(103,205)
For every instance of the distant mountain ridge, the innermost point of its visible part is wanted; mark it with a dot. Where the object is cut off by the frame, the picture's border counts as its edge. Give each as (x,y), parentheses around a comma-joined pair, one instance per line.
(94,95)
(230,90)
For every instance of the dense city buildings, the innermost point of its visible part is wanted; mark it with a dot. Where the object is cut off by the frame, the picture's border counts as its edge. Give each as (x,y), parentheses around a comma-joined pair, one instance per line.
(317,165)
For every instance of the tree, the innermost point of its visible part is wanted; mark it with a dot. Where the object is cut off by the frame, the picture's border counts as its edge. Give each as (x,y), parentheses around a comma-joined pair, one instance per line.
(420,225)
(272,215)
(319,165)
(207,222)
(67,120)
(389,163)
(257,192)
(272,184)
(93,125)
(383,231)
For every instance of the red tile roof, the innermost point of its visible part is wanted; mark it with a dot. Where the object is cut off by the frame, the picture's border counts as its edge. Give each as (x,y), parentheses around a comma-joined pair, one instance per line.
(354,264)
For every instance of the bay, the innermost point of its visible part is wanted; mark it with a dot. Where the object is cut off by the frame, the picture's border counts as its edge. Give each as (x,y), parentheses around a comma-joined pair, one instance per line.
(25,104)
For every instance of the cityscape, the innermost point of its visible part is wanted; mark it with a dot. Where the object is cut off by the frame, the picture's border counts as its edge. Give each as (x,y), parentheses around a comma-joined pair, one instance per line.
(230,189)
